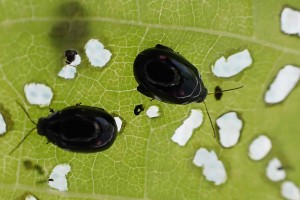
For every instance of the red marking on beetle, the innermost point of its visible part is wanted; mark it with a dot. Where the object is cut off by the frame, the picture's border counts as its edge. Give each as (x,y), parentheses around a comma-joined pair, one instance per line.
(98,143)
(162,57)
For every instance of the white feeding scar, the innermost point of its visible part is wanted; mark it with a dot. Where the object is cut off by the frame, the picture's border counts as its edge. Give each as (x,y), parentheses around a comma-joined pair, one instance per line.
(152,112)
(230,126)
(290,21)
(119,123)
(97,55)
(233,65)
(213,168)
(184,132)
(290,191)
(30,197)
(67,72)
(57,178)
(38,94)
(2,125)
(259,147)
(274,170)
(285,81)
(76,61)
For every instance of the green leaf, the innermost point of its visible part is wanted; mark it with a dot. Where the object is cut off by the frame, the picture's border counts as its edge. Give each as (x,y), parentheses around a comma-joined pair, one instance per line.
(144,163)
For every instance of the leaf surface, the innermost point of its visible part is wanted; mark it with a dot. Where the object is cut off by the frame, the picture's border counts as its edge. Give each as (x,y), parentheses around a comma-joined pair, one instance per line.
(144,163)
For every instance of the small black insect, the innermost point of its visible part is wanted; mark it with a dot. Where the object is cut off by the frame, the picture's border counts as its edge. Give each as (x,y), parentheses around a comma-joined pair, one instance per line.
(138,109)
(167,76)
(70,56)
(77,128)
(218,93)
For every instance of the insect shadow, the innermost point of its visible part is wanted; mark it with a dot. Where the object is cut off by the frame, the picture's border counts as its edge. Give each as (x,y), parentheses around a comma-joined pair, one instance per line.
(72,31)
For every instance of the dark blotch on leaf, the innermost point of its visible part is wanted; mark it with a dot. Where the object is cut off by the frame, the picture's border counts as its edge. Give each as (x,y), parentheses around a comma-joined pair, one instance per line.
(74,30)
(218,93)
(71,9)
(28,164)
(39,169)
(138,109)
(280,168)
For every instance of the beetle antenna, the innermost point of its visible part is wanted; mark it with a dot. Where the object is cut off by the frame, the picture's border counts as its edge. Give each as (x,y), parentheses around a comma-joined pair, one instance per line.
(22,140)
(26,113)
(210,119)
(226,90)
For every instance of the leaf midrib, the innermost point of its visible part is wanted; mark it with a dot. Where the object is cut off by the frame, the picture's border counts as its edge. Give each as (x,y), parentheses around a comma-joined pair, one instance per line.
(251,39)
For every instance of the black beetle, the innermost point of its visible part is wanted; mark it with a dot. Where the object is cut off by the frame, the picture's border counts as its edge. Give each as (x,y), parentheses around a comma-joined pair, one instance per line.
(218,93)
(167,76)
(77,128)
(138,109)
(70,55)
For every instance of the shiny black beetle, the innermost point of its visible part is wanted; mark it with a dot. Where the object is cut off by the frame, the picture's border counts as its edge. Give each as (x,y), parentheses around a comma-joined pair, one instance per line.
(70,55)
(167,76)
(77,128)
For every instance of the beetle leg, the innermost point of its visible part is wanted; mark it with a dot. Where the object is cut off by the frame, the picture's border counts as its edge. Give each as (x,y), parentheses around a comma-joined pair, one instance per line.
(78,104)
(51,110)
(142,90)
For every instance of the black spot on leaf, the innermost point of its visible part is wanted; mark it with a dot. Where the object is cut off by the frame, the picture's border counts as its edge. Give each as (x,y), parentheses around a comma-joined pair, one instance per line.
(138,109)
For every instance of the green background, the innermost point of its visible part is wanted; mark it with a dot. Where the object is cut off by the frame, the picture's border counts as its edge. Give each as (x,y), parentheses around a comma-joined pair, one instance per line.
(144,163)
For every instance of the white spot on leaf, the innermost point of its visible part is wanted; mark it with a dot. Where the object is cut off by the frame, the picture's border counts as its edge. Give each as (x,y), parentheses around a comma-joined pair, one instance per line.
(290,191)
(97,55)
(213,169)
(285,81)
(185,131)
(67,72)
(2,125)
(152,112)
(57,179)
(233,65)
(230,126)
(76,61)
(38,94)
(119,123)
(260,147)
(30,197)
(290,21)
(274,170)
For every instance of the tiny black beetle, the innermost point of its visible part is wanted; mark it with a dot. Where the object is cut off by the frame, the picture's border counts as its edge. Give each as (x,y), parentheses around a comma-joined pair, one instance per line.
(138,109)
(167,76)
(77,128)
(218,93)
(70,55)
